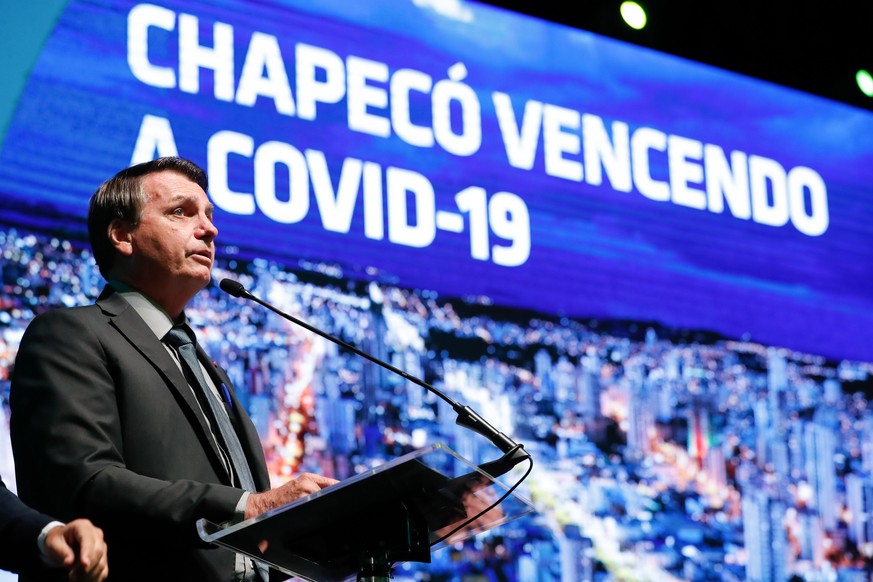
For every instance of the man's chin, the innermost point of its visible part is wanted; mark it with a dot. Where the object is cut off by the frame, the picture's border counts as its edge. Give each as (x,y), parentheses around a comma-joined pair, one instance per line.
(200,278)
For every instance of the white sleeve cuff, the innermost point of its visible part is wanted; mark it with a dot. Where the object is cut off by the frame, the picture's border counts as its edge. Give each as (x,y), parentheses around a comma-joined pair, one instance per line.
(40,540)
(240,513)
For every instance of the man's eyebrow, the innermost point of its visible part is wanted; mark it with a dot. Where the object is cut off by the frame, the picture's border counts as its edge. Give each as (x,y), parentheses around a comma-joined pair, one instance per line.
(176,198)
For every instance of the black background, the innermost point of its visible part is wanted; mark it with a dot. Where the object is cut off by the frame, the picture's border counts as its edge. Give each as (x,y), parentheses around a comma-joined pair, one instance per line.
(816,47)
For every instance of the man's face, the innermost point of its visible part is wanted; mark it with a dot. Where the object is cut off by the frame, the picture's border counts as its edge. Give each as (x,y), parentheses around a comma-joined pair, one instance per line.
(172,248)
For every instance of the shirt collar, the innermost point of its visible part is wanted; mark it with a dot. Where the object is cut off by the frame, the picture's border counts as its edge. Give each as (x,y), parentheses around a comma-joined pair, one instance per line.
(158,320)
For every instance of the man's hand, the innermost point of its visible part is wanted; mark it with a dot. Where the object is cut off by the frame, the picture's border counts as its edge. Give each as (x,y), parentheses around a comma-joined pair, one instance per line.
(79,548)
(296,488)
(474,498)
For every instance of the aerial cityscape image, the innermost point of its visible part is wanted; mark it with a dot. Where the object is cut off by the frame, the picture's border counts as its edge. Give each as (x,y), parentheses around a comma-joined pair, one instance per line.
(653,274)
(660,454)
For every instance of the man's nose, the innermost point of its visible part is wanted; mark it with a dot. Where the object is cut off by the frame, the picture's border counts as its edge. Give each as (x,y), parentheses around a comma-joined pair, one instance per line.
(208,229)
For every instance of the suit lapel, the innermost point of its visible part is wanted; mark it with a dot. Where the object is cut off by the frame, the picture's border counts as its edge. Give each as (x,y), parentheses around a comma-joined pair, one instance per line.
(129,324)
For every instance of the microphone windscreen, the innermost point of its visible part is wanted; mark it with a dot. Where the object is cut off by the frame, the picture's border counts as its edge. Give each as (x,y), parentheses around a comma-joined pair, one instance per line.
(235,288)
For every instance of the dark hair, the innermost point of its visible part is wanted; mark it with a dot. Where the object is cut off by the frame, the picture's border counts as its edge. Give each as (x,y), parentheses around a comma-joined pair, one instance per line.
(122,198)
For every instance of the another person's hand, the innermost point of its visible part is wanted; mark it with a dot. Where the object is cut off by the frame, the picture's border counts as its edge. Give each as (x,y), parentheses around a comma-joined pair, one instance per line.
(79,548)
(296,488)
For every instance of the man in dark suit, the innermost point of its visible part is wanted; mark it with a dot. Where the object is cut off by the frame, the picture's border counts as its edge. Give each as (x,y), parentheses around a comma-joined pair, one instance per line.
(33,542)
(107,421)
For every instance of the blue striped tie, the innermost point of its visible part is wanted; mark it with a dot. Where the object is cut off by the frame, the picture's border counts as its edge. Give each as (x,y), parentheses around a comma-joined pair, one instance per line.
(182,339)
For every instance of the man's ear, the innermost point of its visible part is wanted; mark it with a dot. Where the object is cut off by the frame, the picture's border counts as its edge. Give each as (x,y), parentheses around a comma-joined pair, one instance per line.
(120,235)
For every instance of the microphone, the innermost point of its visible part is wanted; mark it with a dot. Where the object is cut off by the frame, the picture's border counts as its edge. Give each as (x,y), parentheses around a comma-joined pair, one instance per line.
(514,453)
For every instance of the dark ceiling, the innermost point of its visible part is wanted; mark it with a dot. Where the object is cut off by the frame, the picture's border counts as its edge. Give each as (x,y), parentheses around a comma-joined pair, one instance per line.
(814,46)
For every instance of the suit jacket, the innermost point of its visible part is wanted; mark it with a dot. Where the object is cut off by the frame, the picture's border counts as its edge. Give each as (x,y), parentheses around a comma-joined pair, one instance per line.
(105,426)
(19,529)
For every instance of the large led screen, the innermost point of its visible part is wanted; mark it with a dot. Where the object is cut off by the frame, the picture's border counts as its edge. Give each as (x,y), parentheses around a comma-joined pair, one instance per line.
(654,274)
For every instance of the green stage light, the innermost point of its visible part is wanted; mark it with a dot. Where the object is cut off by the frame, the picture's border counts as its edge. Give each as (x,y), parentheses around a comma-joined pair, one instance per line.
(865,82)
(633,14)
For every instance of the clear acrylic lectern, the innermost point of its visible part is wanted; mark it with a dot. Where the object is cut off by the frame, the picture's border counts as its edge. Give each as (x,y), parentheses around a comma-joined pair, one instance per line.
(362,526)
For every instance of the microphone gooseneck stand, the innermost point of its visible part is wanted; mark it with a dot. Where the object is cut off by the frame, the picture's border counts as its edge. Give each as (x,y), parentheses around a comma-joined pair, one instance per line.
(375,565)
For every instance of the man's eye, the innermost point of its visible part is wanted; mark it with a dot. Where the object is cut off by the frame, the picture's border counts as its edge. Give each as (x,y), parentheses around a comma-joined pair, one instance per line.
(179,212)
